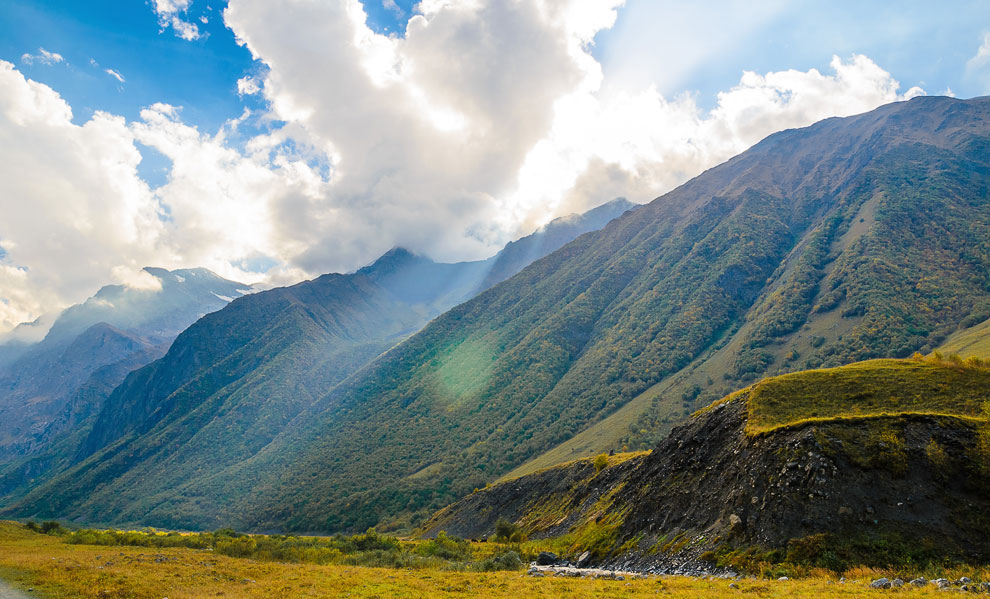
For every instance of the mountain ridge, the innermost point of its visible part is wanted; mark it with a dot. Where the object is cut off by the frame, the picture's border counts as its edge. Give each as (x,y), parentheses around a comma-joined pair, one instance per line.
(803,251)
(237,376)
(117,325)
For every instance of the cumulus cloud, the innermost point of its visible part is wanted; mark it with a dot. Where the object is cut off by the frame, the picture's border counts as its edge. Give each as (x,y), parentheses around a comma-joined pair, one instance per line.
(487,119)
(425,133)
(248,86)
(43,56)
(77,215)
(170,14)
(642,144)
(73,205)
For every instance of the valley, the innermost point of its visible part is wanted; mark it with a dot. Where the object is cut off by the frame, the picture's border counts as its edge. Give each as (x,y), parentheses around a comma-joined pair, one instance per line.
(50,567)
(775,369)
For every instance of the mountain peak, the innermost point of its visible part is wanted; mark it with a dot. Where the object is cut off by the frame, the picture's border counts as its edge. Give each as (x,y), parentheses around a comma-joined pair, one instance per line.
(395,258)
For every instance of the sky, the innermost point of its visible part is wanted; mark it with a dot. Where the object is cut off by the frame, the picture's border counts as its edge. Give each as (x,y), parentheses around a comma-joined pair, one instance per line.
(276,141)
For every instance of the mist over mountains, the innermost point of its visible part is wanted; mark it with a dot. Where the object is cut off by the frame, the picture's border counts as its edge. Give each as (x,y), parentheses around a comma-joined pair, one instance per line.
(236,377)
(90,347)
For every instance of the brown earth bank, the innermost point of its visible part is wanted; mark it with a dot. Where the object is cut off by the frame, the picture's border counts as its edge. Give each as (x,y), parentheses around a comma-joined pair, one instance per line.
(881,490)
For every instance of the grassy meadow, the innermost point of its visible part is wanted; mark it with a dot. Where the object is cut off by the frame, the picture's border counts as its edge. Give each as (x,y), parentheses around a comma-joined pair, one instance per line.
(53,567)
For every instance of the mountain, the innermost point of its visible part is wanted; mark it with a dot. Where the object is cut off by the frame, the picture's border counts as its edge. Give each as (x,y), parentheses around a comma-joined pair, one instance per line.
(855,238)
(236,378)
(91,346)
(881,463)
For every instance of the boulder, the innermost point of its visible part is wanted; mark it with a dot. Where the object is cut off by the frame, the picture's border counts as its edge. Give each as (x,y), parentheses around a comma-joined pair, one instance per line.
(545,558)
(880,583)
(736,524)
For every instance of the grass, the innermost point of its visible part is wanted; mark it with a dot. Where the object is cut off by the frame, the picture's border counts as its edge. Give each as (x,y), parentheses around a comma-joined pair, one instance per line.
(56,569)
(613,460)
(974,341)
(875,388)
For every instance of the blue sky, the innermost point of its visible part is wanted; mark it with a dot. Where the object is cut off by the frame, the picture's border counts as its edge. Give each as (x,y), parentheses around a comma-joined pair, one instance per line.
(679,48)
(448,135)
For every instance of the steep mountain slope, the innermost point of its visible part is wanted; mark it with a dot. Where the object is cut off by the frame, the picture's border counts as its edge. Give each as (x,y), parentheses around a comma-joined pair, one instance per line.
(853,238)
(236,378)
(869,230)
(881,462)
(94,344)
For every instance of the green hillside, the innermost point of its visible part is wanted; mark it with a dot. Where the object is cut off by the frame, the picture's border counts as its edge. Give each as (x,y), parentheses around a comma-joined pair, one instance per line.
(852,239)
(869,389)
(802,252)
(235,379)
(967,342)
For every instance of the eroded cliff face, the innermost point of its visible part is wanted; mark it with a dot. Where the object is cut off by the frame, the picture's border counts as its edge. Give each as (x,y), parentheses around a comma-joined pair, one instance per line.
(911,482)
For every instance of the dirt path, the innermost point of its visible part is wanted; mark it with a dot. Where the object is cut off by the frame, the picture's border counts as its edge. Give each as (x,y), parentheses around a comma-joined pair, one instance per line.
(9,592)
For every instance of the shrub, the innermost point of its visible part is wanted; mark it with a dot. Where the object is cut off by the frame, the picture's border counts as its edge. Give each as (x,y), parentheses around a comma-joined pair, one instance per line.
(503,560)
(237,547)
(601,462)
(445,547)
(51,527)
(508,532)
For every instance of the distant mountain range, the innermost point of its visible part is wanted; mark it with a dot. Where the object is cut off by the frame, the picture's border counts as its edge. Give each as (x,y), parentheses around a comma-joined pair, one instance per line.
(60,380)
(237,377)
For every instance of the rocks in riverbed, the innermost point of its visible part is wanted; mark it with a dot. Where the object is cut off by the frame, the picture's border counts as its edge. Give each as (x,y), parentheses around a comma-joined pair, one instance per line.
(545,558)
(880,583)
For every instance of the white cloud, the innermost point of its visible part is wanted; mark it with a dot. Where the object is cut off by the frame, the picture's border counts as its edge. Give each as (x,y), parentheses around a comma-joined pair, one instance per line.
(641,144)
(73,206)
(43,56)
(248,86)
(424,132)
(78,216)
(115,74)
(169,12)
(485,120)
(394,8)
(982,57)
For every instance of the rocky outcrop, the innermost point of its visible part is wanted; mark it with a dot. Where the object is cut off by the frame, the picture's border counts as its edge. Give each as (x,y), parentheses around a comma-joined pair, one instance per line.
(913,482)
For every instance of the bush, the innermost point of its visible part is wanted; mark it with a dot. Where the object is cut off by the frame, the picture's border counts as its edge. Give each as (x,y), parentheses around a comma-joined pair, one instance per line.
(445,547)
(601,462)
(508,532)
(504,560)
(237,547)
(51,527)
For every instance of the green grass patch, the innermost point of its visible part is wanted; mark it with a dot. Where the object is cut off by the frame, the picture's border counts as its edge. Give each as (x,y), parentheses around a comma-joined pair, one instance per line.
(868,389)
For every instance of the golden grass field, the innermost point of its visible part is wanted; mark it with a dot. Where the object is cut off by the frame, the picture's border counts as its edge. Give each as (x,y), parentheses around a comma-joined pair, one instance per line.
(53,568)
